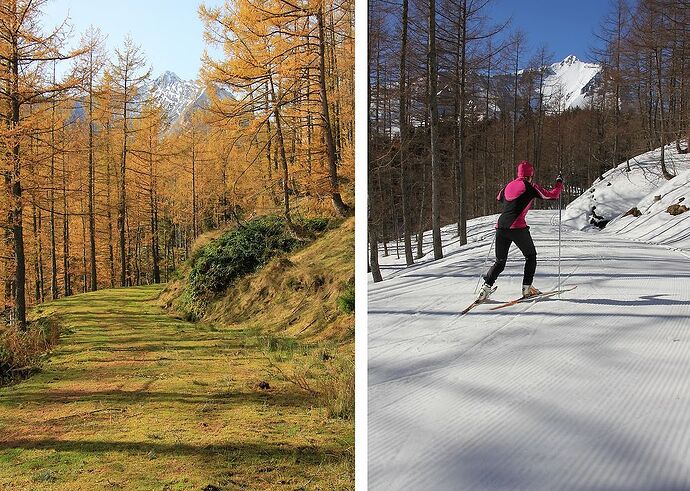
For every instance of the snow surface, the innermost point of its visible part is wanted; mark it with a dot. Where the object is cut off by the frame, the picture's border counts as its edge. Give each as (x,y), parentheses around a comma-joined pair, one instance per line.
(589,391)
(620,190)
(656,225)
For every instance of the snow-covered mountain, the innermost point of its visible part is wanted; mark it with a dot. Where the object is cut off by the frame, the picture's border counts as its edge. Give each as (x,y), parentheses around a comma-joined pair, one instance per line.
(568,84)
(571,83)
(179,98)
(173,94)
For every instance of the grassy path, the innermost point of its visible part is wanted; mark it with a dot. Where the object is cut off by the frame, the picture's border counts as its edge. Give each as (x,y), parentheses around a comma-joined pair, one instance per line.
(134,399)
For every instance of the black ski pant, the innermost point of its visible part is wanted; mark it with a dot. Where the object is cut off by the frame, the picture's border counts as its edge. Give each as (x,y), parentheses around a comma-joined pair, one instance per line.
(522,238)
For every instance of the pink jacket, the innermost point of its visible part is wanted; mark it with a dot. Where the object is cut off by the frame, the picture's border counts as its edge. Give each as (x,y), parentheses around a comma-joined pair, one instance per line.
(517,199)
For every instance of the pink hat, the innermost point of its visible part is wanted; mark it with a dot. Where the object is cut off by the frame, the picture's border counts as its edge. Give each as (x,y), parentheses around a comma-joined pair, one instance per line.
(525,169)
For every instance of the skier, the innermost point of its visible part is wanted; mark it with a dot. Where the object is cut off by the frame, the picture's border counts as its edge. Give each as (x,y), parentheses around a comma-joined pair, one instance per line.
(511,227)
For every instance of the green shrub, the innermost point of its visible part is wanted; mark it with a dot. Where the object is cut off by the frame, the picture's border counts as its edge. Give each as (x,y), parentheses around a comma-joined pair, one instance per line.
(237,253)
(5,362)
(319,224)
(346,300)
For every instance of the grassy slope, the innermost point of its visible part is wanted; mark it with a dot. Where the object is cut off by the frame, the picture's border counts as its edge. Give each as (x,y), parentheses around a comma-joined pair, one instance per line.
(294,295)
(133,399)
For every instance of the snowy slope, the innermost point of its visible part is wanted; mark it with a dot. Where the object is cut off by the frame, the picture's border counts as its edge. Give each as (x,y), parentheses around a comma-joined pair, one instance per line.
(656,224)
(586,392)
(620,190)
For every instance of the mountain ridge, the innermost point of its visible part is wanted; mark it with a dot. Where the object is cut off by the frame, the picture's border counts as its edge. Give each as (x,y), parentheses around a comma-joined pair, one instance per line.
(177,97)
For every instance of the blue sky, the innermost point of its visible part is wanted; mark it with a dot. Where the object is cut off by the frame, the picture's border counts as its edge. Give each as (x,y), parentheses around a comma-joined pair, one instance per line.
(169,32)
(565,26)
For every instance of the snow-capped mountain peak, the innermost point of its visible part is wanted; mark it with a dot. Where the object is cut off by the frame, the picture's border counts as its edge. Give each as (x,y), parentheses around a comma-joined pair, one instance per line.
(168,78)
(569,83)
(174,94)
(569,60)
(179,97)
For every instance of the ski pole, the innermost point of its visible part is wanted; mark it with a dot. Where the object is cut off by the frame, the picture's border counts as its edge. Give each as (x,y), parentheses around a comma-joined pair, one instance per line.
(485,260)
(560,208)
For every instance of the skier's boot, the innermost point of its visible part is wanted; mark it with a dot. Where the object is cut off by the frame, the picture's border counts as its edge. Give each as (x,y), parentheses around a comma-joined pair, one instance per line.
(529,291)
(485,292)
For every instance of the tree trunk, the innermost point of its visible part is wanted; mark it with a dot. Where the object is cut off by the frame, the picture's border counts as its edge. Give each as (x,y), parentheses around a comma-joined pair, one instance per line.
(486,135)
(154,215)
(340,207)
(283,157)
(195,223)
(38,265)
(513,150)
(54,291)
(662,136)
(460,121)
(122,195)
(433,107)
(67,284)
(111,249)
(404,171)
(374,256)
(92,184)
(85,274)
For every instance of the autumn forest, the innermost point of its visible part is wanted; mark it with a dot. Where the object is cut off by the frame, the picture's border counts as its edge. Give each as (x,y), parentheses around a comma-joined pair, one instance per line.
(101,189)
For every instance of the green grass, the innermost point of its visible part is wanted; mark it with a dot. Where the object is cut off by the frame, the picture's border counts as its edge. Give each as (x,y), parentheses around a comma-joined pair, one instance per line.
(134,399)
(346,301)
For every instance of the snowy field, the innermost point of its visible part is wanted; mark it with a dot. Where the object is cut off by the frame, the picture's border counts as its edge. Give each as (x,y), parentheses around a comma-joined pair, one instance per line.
(587,392)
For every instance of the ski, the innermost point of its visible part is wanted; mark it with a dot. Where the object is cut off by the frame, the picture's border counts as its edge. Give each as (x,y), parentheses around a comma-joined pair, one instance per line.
(477,302)
(535,297)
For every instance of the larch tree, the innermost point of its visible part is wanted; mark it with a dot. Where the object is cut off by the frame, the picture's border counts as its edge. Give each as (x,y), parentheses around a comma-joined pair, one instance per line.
(434,133)
(128,73)
(281,65)
(24,53)
(88,70)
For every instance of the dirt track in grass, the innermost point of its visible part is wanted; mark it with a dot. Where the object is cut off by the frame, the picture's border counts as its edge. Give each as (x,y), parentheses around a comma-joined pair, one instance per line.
(134,399)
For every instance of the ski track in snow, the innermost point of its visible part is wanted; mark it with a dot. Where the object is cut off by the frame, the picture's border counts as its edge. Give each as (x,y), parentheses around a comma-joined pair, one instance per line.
(586,392)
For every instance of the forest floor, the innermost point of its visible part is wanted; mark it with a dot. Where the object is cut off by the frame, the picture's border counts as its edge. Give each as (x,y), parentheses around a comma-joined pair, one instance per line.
(132,398)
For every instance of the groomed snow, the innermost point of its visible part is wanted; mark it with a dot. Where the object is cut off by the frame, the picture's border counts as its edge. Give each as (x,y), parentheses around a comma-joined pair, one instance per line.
(587,392)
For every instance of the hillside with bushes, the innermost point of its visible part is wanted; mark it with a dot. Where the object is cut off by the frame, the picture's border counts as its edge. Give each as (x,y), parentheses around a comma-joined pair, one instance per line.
(263,275)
